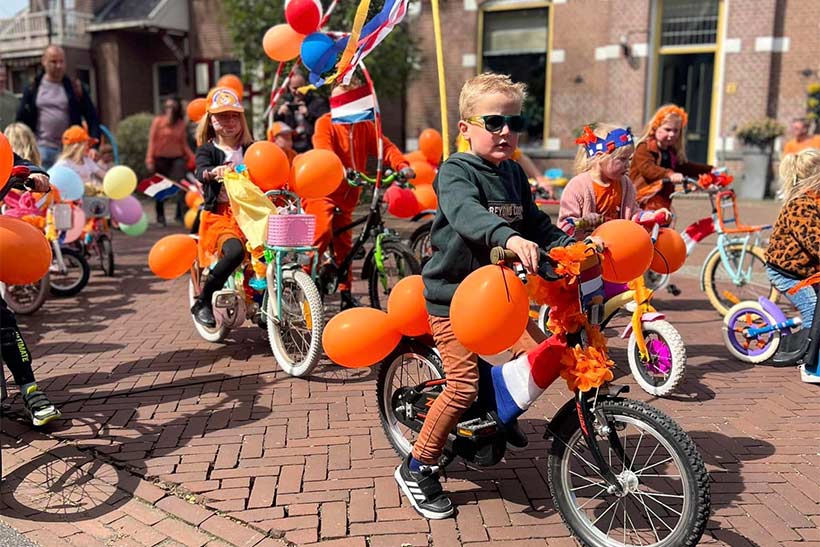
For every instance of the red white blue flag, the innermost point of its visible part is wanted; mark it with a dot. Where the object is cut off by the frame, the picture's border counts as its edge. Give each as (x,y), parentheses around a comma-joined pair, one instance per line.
(354,106)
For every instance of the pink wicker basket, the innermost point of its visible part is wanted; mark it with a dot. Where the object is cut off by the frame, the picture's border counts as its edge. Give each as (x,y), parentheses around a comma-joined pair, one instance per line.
(291,230)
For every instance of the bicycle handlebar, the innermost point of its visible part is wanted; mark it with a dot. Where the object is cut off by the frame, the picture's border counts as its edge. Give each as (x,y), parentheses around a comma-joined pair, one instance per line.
(357,178)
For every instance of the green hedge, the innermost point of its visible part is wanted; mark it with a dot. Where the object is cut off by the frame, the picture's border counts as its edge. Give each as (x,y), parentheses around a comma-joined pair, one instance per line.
(132,141)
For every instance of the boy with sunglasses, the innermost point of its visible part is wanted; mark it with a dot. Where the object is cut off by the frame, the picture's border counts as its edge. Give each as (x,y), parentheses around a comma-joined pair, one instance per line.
(484,201)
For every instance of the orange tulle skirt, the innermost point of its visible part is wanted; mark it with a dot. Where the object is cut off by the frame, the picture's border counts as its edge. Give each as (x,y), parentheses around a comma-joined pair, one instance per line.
(216,227)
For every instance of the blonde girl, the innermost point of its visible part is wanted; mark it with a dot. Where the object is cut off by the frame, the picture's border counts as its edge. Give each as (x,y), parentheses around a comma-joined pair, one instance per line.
(23,142)
(75,155)
(661,154)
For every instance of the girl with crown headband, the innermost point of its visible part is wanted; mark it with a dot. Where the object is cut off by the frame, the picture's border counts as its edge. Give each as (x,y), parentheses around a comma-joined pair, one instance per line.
(661,154)
(601,189)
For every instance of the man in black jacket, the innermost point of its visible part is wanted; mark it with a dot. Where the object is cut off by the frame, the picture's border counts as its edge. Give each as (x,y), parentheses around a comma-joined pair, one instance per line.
(300,111)
(50,105)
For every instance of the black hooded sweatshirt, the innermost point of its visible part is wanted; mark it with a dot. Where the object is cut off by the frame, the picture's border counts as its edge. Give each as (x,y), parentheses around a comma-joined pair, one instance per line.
(480,206)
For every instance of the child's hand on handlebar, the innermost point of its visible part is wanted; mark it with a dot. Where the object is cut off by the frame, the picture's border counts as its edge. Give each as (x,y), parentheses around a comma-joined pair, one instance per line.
(676,178)
(219,172)
(407,173)
(38,182)
(526,250)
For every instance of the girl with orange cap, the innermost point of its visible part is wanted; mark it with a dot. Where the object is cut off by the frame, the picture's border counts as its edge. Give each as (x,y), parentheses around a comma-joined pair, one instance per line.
(223,137)
(76,155)
(661,154)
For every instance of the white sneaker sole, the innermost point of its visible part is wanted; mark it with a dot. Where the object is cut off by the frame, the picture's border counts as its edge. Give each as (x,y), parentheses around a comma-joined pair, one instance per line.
(808,377)
(423,512)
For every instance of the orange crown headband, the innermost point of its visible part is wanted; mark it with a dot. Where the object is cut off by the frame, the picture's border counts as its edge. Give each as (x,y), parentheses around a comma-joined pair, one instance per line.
(670,110)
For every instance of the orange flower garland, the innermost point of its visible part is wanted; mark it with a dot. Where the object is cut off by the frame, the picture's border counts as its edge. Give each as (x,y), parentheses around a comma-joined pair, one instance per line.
(583,368)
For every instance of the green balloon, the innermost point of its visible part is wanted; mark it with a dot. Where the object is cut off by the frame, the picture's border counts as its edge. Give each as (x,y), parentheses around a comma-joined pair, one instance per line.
(136,229)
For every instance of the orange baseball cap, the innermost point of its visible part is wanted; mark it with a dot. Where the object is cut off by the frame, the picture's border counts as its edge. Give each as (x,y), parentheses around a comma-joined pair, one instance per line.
(223,99)
(278,128)
(77,133)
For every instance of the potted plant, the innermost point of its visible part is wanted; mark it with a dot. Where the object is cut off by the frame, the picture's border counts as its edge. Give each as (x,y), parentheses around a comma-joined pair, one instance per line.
(758,139)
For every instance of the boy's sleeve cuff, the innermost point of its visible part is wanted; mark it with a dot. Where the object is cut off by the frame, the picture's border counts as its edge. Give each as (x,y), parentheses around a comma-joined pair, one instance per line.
(500,236)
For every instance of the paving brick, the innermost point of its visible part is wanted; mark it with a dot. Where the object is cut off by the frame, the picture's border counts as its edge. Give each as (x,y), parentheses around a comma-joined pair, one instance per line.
(231,531)
(183,510)
(182,532)
(333,519)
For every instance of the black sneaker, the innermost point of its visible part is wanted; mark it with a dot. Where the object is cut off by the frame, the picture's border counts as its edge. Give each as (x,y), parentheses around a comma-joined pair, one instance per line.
(203,315)
(516,439)
(39,408)
(424,491)
(349,301)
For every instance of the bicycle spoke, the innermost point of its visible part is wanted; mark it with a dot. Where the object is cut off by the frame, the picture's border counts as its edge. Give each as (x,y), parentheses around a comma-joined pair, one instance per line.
(649,517)
(638,447)
(649,459)
(669,459)
(614,504)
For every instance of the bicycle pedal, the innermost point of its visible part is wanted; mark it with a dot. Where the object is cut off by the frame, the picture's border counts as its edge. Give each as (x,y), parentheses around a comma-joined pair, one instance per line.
(475,428)
(673,290)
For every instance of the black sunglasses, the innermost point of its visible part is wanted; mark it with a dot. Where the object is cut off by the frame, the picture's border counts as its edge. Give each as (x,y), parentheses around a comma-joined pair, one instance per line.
(494,123)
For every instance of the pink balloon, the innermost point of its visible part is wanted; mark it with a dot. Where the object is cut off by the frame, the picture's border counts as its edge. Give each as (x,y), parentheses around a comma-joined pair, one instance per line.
(77,224)
(126,210)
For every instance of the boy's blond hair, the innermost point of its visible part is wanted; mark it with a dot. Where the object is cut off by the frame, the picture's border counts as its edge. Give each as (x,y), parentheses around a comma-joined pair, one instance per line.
(484,84)
(23,142)
(205,131)
(800,173)
(584,163)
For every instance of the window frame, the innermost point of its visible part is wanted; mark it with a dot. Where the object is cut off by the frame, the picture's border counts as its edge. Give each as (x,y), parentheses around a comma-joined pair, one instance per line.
(155,69)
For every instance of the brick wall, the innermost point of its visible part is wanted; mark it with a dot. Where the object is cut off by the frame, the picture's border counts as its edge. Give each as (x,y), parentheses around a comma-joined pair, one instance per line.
(802,26)
(210,38)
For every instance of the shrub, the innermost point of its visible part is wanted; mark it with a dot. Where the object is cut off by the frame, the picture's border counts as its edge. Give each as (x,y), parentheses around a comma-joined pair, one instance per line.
(761,133)
(132,141)
(813,104)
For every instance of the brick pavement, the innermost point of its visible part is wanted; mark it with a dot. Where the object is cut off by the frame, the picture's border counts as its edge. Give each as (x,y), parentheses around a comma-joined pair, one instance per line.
(156,418)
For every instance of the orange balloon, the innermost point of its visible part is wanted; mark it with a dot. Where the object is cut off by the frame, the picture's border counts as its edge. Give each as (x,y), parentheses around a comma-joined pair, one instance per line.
(489,310)
(267,165)
(670,252)
(282,43)
(189,218)
(430,144)
(193,199)
(172,256)
(196,109)
(6,159)
(359,337)
(425,173)
(232,81)
(25,252)
(316,173)
(426,197)
(628,250)
(406,307)
(418,155)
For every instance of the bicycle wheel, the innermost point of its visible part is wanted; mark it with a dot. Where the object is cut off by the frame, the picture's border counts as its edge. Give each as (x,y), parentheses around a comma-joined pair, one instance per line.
(420,243)
(74,278)
(106,251)
(399,262)
(722,290)
(666,500)
(410,364)
(26,299)
(663,371)
(654,280)
(738,320)
(296,336)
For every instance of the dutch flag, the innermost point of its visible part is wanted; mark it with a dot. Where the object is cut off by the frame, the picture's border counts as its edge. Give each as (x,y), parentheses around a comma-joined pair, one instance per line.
(158,187)
(354,106)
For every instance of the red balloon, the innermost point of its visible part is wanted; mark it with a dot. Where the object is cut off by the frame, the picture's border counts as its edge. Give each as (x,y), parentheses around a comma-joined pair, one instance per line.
(303,15)
(196,109)
(25,254)
(316,173)
(401,202)
(282,43)
(425,173)
(628,250)
(268,165)
(426,197)
(6,159)
(359,337)
(172,256)
(232,81)
(670,252)
(431,145)
(406,307)
(490,310)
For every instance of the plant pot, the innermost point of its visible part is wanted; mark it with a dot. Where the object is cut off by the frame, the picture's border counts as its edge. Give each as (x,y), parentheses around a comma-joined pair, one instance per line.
(756,173)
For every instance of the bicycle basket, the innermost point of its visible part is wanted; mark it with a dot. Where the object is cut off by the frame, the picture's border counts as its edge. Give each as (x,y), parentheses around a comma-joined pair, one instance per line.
(63,218)
(95,207)
(291,230)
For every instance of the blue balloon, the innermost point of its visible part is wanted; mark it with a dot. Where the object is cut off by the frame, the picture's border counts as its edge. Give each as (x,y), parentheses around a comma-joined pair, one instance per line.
(67,181)
(318,53)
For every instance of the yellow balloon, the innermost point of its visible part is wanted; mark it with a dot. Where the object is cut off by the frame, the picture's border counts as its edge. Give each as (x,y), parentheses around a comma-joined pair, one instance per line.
(119,182)
(190,218)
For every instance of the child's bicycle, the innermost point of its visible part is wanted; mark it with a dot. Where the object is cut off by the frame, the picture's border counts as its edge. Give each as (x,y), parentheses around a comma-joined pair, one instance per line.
(620,471)
(388,261)
(754,330)
(97,240)
(656,351)
(735,269)
(290,308)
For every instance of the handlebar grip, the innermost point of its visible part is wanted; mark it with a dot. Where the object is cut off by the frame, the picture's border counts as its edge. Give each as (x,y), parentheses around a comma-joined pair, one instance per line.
(500,254)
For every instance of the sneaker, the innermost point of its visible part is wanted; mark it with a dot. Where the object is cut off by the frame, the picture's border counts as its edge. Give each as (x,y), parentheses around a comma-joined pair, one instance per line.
(203,315)
(423,489)
(349,301)
(258,284)
(516,439)
(631,306)
(39,408)
(809,377)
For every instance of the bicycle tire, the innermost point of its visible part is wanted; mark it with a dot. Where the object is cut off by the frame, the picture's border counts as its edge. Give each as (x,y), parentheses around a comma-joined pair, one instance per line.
(718,301)
(300,366)
(670,336)
(620,413)
(106,250)
(405,263)
(29,306)
(420,242)
(70,255)
(732,328)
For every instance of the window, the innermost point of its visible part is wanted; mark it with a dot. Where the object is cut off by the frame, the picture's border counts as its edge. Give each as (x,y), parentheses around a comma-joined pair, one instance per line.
(166,83)
(515,42)
(203,78)
(228,66)
(689,22)
(84,75)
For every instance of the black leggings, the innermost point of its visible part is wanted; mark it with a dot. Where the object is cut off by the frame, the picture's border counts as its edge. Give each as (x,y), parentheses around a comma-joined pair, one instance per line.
(14,350)
(233,253)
